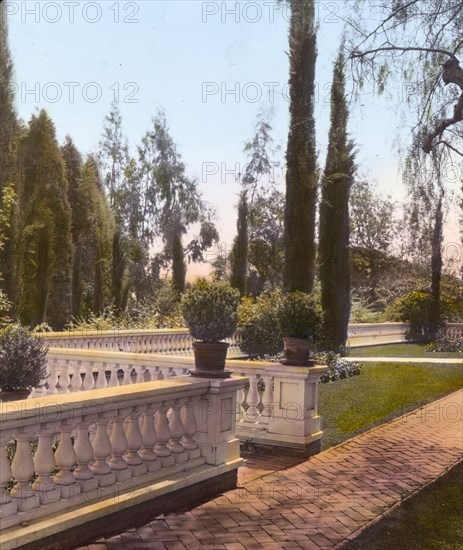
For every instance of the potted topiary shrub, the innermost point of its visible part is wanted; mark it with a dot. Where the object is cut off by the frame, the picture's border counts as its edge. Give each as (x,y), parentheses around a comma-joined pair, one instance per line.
(22,362)
(299,317)
(209,310)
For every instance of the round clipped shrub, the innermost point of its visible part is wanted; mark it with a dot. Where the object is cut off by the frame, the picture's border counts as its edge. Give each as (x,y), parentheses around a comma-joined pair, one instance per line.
(22,359)
(299,315)
(260,333)
(210,310)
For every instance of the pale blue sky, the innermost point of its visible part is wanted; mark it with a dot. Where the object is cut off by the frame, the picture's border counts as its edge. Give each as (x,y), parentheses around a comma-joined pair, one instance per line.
(163,54)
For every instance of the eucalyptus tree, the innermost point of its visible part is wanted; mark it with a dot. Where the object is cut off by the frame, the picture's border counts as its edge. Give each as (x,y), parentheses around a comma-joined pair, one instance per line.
(333,251)
(301,155)
(172,203)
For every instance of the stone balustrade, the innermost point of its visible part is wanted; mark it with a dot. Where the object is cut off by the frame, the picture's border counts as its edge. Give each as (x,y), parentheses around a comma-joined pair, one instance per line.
(77,458)
(367,334)
(176,342)
(179,342)
(278,407)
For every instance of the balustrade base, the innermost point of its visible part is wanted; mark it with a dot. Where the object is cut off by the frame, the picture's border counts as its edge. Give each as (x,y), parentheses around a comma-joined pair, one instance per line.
(69,491)
(8,509)
(138,469)
(194,453)
(260,448)
(105,480)
(181,457)
(167,461)
(128,508)
(123,475)
(28,503)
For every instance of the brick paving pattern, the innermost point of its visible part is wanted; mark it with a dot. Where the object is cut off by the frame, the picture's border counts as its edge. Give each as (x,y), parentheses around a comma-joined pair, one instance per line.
(319,503)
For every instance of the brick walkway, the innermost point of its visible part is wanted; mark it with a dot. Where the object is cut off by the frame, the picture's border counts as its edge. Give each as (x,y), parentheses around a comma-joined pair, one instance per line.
(321,502)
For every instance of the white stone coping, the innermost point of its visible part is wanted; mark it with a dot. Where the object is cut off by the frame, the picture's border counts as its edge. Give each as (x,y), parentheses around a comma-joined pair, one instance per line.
(52,408)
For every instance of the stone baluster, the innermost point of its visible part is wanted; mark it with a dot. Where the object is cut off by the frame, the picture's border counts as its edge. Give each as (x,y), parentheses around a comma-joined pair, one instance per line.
(113,379)
(89,380)
(101,451)
(119,446)
(84,455)
(244,402)
(7,506)
(127,379)
(163,436)
(177,432)
(65,457)
(44,463)
(64,377)
(148,432)
(23,469)
(101,378)
(134,443)
(253,398)
(267,398)
(139,370)
(76,382)
(190,428)
(52,379)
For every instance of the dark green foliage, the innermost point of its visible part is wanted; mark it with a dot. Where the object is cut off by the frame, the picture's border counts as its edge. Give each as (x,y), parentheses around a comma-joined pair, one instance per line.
(260,333)
(10,134)
(210,310)
(239,254)
(301,155)
(333,256)
(22,359)
(120,282)
(300,315)
(178,264)
(44,244)
(415,307)
(266,245)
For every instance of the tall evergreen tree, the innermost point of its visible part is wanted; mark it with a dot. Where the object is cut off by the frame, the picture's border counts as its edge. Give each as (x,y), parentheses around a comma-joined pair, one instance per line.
(334,262)
(9,142)
(301,156)
(73,162)
(44,232)
(239,254)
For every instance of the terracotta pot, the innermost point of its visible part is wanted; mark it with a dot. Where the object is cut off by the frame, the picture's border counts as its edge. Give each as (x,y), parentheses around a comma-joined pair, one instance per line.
(13,395)
(210,360)
(297,352)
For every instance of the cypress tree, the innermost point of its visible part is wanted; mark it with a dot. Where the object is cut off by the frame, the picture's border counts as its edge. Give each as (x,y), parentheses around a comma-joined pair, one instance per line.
(178,263)
(301,156)
(10,133)
(96,240)
(334,260)
(44,233)
(239,255)
(73,162)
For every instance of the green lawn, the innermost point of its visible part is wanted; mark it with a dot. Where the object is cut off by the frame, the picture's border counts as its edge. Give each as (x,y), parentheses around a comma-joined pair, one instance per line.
(382,392)
(430,520)
(400,350)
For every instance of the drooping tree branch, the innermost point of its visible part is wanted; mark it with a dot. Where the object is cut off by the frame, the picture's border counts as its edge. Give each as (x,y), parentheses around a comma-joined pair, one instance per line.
(452,73)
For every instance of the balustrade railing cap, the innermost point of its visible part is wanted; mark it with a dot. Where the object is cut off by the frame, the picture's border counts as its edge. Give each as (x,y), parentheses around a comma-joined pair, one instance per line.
(53,408)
